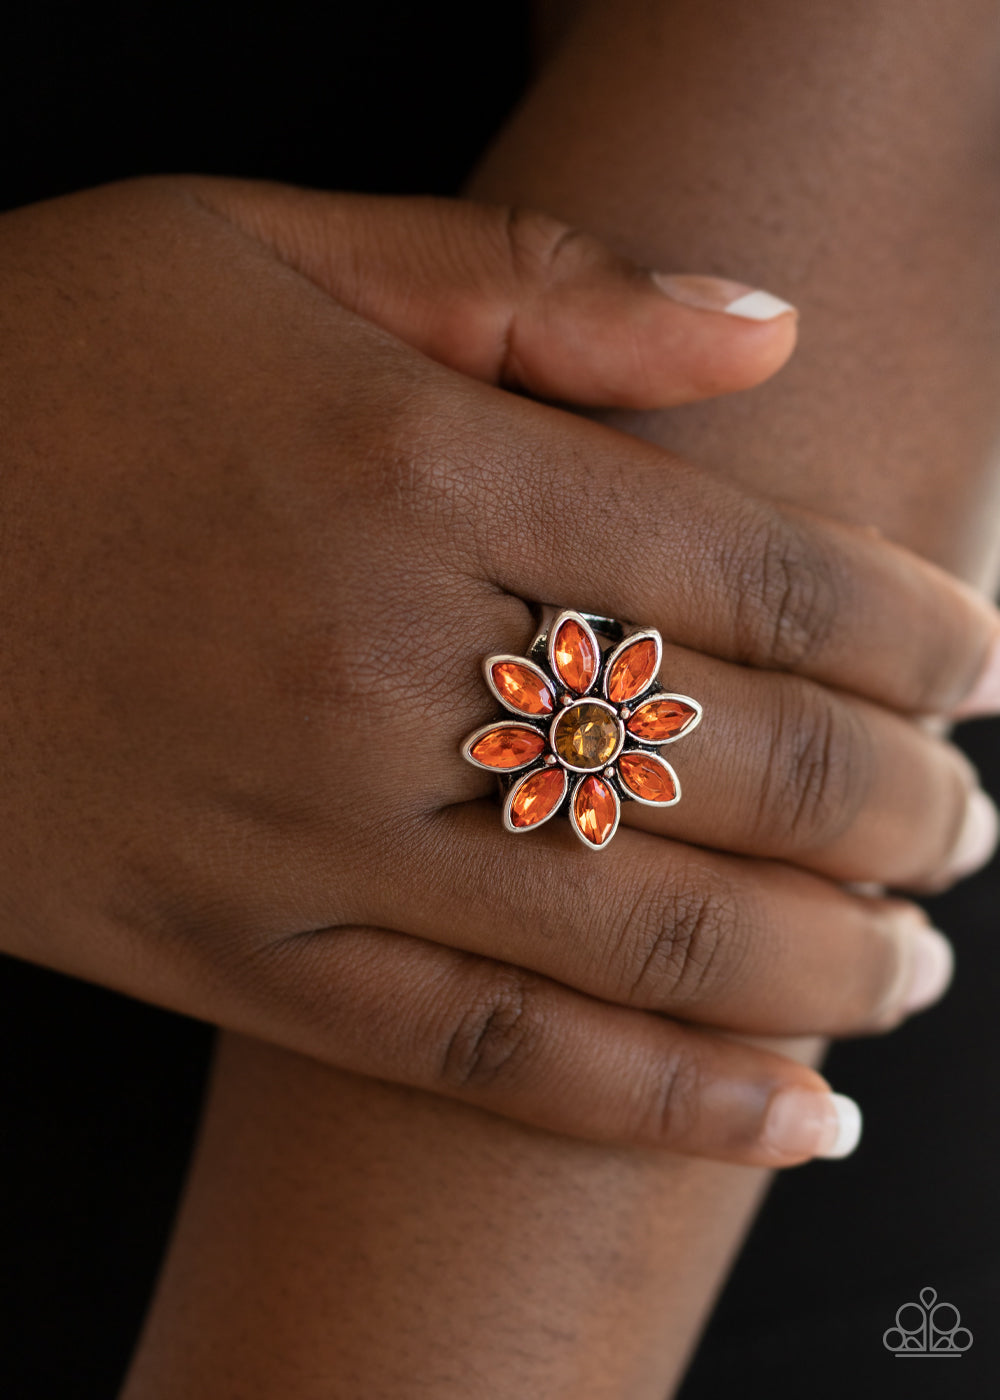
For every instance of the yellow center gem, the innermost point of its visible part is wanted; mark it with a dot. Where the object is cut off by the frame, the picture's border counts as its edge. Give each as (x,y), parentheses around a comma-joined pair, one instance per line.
(586,736)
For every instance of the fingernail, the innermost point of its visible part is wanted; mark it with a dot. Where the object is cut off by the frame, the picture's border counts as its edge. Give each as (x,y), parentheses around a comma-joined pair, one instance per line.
(932,965)
(759,306)
(808,1123)
(977,839)
(938,726)
(720,294)
(984,697)
(867,889)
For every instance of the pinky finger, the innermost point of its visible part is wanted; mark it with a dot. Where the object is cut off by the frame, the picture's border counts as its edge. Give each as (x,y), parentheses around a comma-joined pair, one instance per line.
(518,1044)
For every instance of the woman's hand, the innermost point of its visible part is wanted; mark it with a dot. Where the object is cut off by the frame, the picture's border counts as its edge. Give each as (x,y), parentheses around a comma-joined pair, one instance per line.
(253,549)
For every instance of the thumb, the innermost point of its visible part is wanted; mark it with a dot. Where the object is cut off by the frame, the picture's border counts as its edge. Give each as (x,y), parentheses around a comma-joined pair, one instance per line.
(516,298)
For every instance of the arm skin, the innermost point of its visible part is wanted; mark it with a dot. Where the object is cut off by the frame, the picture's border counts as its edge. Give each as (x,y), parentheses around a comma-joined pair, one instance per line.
(344,1238)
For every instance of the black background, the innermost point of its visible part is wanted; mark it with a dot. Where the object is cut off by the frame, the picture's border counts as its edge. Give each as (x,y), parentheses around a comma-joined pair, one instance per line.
(100,1095)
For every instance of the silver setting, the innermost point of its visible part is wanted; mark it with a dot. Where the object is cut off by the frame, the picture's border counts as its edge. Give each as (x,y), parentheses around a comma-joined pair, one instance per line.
(568,615)
(528,665)
(484,729)
(639,635)
(611,638)
(646,801)
(615,797)
(689,728)
(508,800)
(557,719)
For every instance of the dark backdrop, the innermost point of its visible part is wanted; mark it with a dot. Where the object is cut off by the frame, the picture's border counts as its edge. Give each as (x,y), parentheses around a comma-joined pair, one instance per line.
(99,1095)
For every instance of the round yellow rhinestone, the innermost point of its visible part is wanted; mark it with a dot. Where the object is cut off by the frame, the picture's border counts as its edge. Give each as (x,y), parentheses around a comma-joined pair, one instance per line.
(586,735)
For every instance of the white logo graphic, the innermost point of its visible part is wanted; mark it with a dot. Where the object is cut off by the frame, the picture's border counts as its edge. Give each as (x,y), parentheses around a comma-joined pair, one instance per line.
(927,1328)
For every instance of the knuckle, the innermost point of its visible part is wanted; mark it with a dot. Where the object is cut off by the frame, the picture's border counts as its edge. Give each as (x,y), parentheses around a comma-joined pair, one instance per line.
(788,593)
(414,466)
(538,245)
(681,943)
(676,1101)
(495,1035)
(819,771)
(446,470)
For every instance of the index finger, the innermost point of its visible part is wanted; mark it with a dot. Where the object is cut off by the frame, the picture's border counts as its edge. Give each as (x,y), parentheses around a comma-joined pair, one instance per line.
(577,514)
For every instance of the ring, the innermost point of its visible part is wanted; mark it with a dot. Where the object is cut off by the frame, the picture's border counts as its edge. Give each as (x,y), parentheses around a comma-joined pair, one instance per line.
(590,719)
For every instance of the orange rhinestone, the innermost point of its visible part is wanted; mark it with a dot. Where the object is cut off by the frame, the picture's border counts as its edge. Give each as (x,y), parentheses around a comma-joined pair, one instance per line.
(661,719)
(522,688)
(508,747)
(632,671)
(537,797)
(574,656)
(595,810)
(647,776)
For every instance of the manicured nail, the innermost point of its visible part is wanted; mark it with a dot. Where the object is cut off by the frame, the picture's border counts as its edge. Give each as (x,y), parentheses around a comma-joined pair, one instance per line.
(984,697)
(867,889)
(808,1123)
(759,306)
(938,726)
(932,965)
(977,839)
(720,294)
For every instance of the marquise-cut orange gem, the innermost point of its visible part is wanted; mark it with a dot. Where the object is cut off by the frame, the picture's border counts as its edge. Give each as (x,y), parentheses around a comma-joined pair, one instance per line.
(574,656)
(523,688)
(537,797)
(660,719)
(632,670)
(596,810)
(508,746)
(646,775)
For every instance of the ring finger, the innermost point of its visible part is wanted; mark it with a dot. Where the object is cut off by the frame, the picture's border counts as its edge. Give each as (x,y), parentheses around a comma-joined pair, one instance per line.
(743,944)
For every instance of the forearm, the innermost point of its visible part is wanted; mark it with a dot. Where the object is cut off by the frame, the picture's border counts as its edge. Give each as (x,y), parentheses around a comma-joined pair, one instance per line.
(347,1237)
(344,1237)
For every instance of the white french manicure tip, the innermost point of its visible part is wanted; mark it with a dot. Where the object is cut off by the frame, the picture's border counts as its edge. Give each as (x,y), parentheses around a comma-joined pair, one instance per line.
(984,698)
(802,1123)
(932,967)
(865,889)
(978,838)
(848,1129)
(758,306)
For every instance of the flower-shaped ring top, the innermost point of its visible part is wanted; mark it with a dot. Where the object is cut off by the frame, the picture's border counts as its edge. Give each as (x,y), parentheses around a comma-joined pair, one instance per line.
(590,720)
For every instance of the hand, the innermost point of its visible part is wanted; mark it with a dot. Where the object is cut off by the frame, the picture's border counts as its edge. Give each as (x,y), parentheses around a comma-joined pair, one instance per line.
(253,549)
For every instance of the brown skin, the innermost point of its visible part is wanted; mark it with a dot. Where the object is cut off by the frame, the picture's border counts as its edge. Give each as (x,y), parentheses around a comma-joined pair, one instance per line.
(254,549)
(846,160)
(344,1239)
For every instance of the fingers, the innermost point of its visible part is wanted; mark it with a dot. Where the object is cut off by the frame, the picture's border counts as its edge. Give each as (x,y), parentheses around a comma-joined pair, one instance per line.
(524,301)
(505,1040)
(576,514)
(517,298)
(749,946)
(797,771)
